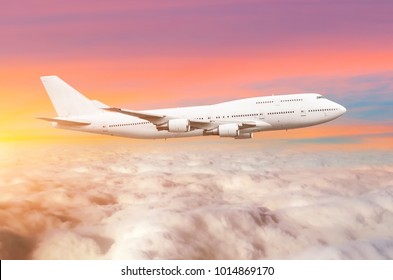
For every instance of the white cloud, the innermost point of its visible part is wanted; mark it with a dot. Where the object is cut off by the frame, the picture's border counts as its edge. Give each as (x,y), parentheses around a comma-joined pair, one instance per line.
(188,201)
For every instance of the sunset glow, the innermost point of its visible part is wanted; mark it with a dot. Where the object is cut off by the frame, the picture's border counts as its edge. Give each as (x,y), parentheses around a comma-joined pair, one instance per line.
(153,55)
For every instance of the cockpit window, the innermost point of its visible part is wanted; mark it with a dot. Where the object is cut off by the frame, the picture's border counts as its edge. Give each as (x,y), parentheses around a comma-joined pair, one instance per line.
(320,96)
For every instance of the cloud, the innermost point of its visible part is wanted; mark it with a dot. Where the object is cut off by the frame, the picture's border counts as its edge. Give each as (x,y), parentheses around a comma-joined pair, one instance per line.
(358,249)
(195,200)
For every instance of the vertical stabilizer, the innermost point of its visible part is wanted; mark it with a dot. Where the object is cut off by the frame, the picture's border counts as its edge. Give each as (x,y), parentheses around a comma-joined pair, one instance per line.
(67,100)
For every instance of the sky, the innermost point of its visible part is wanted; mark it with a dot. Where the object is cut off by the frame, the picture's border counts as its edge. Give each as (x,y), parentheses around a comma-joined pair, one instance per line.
(322,192)
(157,54)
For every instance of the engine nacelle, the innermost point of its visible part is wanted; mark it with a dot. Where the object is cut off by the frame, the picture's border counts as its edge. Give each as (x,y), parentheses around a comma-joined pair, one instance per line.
(228,130)
(176,125)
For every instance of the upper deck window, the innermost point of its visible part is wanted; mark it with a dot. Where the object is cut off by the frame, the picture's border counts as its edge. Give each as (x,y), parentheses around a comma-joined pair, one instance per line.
(320,96)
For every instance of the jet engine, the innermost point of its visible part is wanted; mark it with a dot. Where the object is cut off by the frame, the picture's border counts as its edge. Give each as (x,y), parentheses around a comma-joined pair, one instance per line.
(228,130)
(176,125)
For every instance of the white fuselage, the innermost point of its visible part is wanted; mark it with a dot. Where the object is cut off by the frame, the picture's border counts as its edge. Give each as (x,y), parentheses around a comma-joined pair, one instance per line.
(272,112)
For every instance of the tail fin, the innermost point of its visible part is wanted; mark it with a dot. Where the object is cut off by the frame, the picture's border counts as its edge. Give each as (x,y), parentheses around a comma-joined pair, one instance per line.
(67,100)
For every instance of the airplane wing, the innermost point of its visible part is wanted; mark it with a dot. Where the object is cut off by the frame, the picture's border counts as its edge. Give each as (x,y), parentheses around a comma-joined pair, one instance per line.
(153,118)
(158,119)
(161,119)
(65,122)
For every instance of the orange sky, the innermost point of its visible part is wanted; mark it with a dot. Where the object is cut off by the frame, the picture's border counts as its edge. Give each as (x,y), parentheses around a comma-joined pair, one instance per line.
(229,60)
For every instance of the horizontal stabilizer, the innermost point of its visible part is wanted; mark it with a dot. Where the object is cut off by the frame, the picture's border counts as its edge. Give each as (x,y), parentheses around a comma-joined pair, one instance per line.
(65,122)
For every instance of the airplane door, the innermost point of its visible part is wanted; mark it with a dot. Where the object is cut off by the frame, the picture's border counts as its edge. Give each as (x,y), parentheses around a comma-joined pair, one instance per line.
(261,115)
(302,112)
(105,128)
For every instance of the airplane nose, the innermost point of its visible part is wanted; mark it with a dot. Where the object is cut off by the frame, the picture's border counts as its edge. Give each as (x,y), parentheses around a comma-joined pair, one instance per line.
(342,109)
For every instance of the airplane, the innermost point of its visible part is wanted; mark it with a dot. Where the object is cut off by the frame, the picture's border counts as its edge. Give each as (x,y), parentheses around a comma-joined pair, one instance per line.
(238,119)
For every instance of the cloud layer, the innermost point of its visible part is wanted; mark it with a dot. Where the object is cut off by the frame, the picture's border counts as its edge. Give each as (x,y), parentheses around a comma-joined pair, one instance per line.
(195,201)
